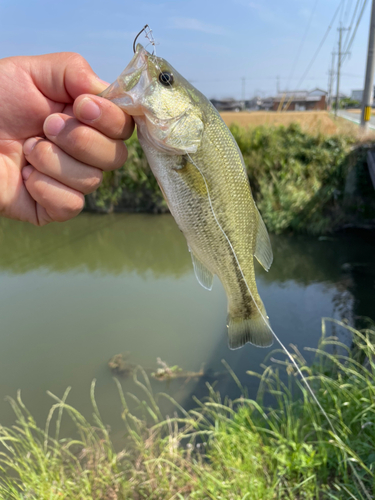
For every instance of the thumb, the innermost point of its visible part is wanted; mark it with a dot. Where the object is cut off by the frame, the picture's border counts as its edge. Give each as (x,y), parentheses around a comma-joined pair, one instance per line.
(63,76)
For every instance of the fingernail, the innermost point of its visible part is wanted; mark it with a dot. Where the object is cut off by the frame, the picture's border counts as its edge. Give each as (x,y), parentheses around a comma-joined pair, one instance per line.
(26,172)
(29,145)
(53,125)
(88,110)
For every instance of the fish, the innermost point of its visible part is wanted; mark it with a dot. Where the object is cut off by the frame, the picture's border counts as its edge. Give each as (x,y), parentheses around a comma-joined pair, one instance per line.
(201,173)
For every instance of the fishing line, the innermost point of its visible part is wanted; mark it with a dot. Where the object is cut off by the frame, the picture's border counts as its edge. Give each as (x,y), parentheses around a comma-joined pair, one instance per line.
(248,288)
(274,334)
(150,37)
(299,371)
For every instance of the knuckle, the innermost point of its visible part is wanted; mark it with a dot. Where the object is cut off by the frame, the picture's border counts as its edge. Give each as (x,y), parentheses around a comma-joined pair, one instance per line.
(73,206)
(128,128)
(76,62)
(81,140)
(74,57)
(62,205)
(93,182)
(37,187)
(42,155)
(4,181)
(121,155)
(118,131)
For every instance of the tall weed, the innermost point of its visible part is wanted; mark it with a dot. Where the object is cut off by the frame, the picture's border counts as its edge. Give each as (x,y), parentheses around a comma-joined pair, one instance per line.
(232,450)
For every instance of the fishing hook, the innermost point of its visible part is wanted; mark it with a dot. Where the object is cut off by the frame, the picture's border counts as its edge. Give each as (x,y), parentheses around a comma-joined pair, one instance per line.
(148,35)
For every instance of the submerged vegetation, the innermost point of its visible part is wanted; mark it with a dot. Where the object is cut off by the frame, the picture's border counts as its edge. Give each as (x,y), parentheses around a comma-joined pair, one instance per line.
(302,182)
(119,365)
(242,449)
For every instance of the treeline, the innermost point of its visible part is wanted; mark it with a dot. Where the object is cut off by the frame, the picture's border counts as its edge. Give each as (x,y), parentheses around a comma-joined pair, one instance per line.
(301,182)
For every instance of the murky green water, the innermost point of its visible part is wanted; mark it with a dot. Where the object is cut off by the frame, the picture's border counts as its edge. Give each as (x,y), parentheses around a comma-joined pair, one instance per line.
(73,295)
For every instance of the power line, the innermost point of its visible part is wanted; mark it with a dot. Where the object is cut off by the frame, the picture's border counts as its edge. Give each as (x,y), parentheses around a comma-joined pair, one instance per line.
(351,23)
(347,48)
(331,73)
(350,75)
(342,10)
(339,60)
(302,43)
(319,47)
(348,7)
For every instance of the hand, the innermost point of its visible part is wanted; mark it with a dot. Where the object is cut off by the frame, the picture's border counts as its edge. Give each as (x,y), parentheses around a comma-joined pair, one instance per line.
(55,142)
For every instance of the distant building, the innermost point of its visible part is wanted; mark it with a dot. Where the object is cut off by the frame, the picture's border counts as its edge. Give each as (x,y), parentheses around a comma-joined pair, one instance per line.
(259,103)
(357,95)
(341,96)
(228,104)
(267,103)
(300,100)
(253,104)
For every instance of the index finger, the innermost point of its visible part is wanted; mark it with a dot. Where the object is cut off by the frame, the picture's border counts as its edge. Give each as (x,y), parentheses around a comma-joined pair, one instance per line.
(104,116)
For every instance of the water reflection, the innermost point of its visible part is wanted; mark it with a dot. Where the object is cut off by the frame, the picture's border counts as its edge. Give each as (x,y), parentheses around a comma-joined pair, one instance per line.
(108,244)
(73,295)
(137,242)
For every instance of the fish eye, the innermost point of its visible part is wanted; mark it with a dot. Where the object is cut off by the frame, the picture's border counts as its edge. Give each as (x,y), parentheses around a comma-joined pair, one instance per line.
(166,78)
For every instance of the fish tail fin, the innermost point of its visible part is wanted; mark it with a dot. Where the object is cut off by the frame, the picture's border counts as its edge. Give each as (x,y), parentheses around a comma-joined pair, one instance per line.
(254,330)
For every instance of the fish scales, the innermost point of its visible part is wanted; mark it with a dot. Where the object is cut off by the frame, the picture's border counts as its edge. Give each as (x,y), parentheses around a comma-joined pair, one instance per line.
(201,173)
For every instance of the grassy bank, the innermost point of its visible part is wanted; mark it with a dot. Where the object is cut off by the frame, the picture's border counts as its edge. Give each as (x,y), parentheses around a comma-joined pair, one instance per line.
(307,183)
(302,182)
(222,450)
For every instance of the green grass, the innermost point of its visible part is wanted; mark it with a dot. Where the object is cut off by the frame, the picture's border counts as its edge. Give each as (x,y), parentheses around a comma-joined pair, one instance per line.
(297,179)
(223,449)
(132,188)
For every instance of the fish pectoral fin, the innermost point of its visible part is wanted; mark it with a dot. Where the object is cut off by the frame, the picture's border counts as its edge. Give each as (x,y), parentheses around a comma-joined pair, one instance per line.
(263,250)
(180,163)
(204,276)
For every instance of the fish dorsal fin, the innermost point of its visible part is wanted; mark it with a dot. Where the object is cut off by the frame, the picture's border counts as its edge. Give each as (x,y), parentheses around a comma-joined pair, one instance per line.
(263,251)
(203,275)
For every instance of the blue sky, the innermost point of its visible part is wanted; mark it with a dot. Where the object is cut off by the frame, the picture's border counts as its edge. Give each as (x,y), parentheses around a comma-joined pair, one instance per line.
(211,43)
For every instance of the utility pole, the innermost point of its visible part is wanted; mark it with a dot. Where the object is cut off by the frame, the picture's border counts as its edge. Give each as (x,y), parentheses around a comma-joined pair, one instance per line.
(278,84)
(243,88)
(369,80)
(331,73)
(340,30)
(338,72)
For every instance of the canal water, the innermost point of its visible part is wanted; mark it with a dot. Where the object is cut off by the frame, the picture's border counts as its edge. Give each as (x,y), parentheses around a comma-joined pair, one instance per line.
(73,295)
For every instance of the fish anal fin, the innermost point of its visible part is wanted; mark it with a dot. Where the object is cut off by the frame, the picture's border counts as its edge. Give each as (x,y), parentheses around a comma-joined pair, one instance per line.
(204,276)
(263,250)
(254,330)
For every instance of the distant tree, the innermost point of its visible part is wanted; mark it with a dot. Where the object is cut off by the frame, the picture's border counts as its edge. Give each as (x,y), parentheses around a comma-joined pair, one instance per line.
(347,102)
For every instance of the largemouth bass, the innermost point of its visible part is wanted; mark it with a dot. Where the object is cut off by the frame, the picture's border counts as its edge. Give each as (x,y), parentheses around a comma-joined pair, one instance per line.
(202,176)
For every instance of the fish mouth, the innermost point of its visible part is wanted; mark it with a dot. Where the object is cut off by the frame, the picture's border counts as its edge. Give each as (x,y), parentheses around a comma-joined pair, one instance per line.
(126,91)
(116,94)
